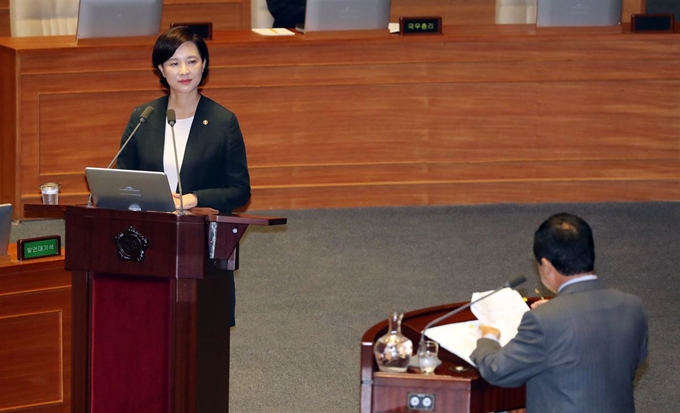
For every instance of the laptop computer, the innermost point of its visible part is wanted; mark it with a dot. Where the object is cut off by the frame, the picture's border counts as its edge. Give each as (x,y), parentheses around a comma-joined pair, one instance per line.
(5,227)
(327,15)
(130,190)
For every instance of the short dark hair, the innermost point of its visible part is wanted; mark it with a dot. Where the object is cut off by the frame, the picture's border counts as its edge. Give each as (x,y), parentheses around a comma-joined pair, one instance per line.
(168,43)
(567,242)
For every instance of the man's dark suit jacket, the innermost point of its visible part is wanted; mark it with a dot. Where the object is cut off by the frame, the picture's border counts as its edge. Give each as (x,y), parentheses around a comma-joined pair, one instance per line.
(577,353)
(214,166)
(287,13)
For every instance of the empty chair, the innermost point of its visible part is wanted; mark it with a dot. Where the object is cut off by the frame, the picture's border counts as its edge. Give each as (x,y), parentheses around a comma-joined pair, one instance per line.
(515,11)
(43,17)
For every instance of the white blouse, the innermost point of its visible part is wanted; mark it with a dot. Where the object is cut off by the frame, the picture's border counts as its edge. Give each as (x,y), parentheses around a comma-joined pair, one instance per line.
(182,128)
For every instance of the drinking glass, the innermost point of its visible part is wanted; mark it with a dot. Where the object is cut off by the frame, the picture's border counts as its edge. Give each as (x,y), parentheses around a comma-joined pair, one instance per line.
(50,193)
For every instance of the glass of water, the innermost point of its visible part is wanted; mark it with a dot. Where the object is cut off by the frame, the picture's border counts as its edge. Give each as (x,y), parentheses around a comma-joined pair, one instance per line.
(50,193)
(427,356)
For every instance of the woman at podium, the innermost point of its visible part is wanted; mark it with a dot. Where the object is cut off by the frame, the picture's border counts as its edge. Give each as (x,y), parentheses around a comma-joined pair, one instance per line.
(210,152)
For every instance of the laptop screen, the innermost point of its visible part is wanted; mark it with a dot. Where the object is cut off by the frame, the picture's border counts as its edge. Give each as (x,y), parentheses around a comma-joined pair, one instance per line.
(5,227)
(130,190)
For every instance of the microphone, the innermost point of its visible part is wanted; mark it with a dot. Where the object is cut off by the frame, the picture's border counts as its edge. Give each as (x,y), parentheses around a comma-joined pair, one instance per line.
(172,119)
(512,283)
(142,118)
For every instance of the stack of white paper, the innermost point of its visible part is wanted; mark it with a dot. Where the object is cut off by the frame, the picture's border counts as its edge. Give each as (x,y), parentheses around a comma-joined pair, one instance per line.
(502,310)
(274,32)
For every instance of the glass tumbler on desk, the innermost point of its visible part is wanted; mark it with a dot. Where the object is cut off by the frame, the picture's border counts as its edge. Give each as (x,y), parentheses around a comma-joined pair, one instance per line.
(50,193)
(393,350)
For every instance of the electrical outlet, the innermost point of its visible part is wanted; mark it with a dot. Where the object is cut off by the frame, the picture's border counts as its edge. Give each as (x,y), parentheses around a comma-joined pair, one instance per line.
(420,401)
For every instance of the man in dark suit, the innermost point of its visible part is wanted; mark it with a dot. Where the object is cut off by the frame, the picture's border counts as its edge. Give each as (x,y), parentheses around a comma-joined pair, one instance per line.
(579,351)
(287,13)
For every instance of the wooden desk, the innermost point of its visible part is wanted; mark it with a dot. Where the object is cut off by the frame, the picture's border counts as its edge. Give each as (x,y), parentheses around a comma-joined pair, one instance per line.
(481,114)
(35,326)
(454,391)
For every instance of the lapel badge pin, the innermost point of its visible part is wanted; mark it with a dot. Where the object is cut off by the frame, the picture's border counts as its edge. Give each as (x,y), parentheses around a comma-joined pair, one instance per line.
(205,121)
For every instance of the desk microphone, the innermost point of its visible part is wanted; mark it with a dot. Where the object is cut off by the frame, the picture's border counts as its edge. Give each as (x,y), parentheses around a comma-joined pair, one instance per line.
(172,119)
(512,283)
(142,118)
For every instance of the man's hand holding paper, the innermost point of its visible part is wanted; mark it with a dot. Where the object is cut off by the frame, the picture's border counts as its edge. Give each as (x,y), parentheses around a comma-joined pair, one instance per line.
(503,310)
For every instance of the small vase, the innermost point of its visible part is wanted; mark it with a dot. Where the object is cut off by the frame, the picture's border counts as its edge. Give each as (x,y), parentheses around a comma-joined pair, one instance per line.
(393,350)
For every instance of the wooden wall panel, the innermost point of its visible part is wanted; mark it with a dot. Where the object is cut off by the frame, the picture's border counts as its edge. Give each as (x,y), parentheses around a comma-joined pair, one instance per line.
(5,28)
(525,170)
(451,11)
(477,116)
(31,375)
(629,7)
(460,193)
(222,14)
(35,323)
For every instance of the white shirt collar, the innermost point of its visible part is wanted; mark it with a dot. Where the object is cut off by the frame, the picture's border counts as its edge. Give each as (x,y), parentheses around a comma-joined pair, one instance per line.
(578,279)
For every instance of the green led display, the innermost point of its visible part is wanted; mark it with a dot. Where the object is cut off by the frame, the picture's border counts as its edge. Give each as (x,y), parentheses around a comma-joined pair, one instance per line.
(39,247)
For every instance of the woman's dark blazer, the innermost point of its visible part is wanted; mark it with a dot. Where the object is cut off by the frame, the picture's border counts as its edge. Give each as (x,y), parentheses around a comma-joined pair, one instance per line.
(214,166)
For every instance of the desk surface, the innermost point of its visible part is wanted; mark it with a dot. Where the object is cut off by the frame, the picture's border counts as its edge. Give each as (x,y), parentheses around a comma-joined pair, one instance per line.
(10,263)
(461,33)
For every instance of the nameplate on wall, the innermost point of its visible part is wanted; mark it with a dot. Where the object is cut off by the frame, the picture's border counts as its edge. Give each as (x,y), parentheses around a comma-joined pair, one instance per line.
(41,247)
(420,25)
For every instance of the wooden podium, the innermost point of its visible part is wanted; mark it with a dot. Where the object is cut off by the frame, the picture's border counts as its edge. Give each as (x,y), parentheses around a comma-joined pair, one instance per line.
(151,309)
(456,386)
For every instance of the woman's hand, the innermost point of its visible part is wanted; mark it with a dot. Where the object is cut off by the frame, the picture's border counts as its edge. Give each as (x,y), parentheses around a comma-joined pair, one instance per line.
(190,201)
